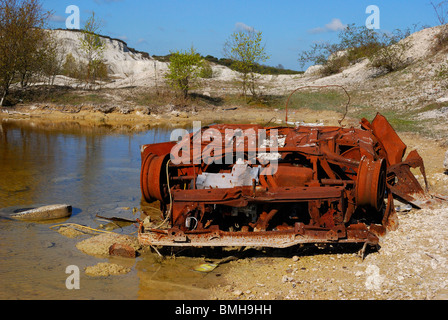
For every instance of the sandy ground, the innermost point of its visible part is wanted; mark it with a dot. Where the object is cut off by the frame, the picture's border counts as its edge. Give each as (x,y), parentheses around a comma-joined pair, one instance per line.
(410,264)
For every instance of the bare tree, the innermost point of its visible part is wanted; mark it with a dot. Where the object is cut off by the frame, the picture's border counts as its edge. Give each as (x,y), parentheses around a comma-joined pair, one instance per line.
(53,59)
(21,41)
(441,10)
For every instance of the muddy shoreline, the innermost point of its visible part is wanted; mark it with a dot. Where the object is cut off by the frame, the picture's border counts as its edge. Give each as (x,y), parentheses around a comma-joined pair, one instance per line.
(167,115)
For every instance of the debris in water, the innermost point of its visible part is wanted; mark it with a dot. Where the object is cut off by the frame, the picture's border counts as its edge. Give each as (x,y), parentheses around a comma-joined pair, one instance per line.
(122,250)
(206,267)
(52,212)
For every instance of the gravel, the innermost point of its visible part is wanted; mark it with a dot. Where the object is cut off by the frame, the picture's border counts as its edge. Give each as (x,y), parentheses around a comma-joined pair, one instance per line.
(411,264)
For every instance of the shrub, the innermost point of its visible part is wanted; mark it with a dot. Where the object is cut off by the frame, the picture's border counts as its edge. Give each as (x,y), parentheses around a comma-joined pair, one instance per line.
(70,67)
(441,43)
(385,51)
(334,65)
(206,71)
(392,55)
(184,69)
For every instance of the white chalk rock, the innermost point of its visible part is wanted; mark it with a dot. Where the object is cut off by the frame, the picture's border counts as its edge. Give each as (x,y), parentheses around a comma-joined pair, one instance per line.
(44,213)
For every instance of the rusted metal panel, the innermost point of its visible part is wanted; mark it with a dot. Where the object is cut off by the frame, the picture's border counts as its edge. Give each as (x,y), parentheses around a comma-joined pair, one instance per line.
(300,234)
(393,146)
(403,183)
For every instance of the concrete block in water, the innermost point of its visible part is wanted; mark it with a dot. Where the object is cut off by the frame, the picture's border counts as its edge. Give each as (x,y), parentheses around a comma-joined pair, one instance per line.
(51,212)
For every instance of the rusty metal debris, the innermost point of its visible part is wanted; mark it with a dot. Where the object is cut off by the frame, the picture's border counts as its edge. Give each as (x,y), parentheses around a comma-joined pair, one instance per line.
(295,185)
(122,250)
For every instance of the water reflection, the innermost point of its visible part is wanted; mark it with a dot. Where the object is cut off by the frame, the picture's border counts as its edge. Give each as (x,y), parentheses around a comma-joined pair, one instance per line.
(53,162)
(96,170)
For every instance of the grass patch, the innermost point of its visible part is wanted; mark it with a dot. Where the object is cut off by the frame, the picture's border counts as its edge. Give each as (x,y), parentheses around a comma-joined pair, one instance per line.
(432,106)
(400,121)
(149,97)
(58,96)
(322,100)
(75,99)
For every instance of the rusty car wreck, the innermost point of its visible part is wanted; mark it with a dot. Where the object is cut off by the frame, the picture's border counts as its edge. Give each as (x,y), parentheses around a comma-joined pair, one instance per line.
(328,184)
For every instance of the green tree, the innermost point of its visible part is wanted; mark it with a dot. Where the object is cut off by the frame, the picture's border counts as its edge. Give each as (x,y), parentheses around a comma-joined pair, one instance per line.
(93,48)
(246,49)
(23,41)
(184,69)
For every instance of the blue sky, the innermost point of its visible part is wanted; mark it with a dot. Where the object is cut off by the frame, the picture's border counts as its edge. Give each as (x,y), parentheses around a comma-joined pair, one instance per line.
(288,26)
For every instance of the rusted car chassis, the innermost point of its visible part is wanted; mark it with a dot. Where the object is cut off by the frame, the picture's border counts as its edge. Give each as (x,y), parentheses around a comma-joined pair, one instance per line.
(330,185)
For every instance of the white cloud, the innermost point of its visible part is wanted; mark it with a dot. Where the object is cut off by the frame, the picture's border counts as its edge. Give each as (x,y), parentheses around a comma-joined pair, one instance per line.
(57,18)
(107,1)
(317,30)
(334,25)
(243,26)
(142,41)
